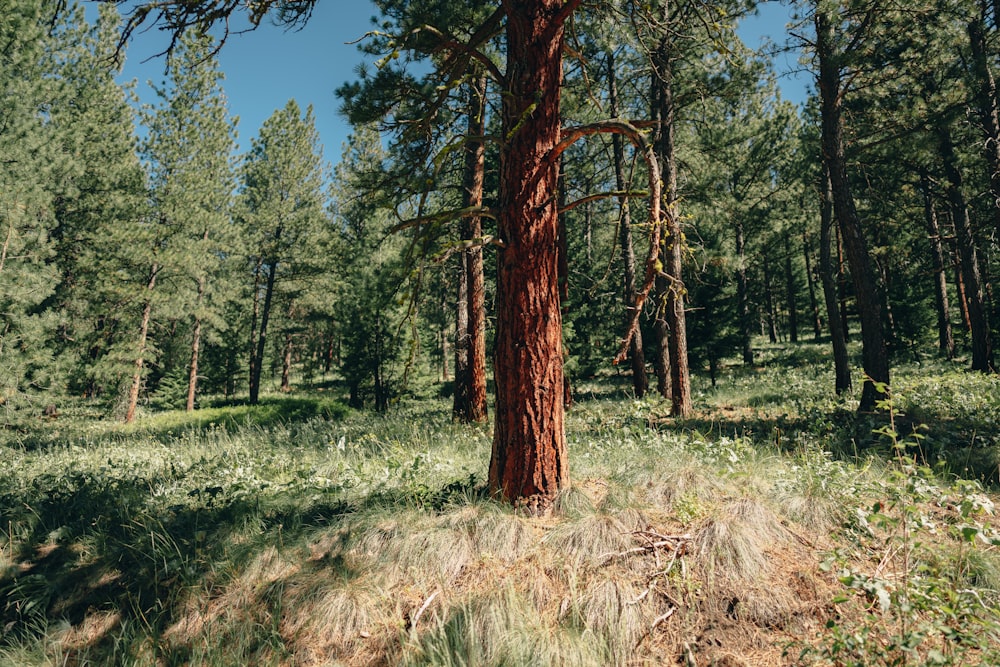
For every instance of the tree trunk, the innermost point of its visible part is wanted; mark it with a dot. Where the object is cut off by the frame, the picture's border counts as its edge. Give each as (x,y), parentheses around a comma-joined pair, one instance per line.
(265,313)
(982,351)
(772,317)
(195,348)
(986,101)
(742,296)
(828,277)
(286,365)
(254,317)
(663,113)
(528,463)
(140,358)
(563,271)
(460,403)
(470,406)
(639,381)
(842,284)
(875,352)
(443,334)
(790,293)
(946,340)
(661,333)
(817,318)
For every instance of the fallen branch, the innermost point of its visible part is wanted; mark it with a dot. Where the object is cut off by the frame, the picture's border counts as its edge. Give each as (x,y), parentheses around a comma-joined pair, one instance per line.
(423,608)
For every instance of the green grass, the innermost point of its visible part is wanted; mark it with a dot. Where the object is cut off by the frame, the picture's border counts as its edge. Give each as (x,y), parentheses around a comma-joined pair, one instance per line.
(774,526)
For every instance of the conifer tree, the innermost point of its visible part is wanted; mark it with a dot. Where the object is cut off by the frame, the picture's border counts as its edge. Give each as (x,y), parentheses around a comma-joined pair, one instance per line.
(101,195)
(281,210)
(31,173)
(190,153)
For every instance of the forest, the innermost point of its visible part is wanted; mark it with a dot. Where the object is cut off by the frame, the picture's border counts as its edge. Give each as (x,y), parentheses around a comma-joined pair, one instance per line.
(589,349)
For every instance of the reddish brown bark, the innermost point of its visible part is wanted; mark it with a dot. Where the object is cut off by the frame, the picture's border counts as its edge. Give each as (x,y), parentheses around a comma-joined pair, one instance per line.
(529,459)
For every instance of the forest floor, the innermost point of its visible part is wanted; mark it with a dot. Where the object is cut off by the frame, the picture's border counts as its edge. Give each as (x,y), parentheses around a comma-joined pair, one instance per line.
(775,527)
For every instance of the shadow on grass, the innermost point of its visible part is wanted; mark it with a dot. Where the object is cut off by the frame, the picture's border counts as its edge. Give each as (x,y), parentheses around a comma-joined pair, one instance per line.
(86,545)
(966,449)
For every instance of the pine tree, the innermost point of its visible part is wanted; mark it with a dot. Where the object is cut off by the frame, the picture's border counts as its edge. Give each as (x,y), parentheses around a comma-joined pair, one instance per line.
(102,194)
(281,209)
(31,173)
(189,151)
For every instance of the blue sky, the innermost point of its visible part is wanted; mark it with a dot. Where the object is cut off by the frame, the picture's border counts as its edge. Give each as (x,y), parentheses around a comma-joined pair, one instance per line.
(267,67)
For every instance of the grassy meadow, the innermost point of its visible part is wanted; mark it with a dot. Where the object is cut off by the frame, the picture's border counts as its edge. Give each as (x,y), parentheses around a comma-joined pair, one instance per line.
(775,527)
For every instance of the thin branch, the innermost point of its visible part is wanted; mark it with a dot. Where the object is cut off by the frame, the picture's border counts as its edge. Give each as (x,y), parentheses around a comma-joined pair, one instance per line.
(445,216)
(602,195)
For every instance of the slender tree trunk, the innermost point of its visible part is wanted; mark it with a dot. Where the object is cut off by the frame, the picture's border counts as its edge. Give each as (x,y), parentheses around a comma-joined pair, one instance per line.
(265,314)
(663,113)
(790,293)
(956,267)
(563,269)
(986,101)
(982,352)
(460,405)
(743,296)
(772,317)
(443,335)
(195,348)
(378,375)
(817,317)
(470,400)
(640,383)
(529,462)
(254,317)
(845,320)
(946,340)
(875,352)
(661,332)
(828,277)
(140,358)
(286,364)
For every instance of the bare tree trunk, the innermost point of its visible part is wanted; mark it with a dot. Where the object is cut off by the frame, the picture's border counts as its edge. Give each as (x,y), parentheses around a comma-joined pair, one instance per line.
(470,406)
(195,348)
(286,364)
(663,113)
(443,335)
(140,359)
(828,278)
(790,293)
(563,270)
(640,383)
(742,296)
(529,461)
(254,316)
(265,314)
(460,404)
(982,351)
(986,101)
(661,332)
(875,352)
(772,317)
(817,318)
(842,285)
(946,340)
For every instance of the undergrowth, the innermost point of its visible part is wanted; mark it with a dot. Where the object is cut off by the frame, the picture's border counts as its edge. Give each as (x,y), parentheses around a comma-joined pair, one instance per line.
(775,527)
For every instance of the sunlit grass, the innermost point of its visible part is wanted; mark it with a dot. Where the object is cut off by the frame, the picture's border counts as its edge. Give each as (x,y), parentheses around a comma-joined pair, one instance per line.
(356,539)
